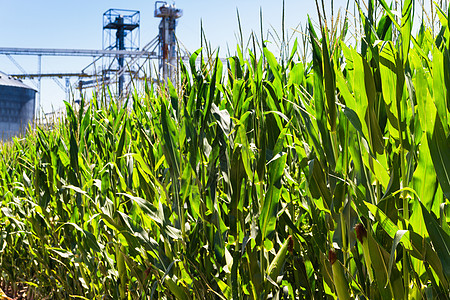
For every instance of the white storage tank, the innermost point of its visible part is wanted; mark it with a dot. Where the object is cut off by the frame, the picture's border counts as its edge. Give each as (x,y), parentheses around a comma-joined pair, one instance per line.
(17,102)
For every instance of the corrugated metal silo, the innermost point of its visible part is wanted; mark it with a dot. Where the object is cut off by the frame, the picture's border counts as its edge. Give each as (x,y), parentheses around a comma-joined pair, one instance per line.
(17,101)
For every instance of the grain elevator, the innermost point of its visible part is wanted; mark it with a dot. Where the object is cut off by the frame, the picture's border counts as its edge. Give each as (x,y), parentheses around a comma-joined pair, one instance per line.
(17,103)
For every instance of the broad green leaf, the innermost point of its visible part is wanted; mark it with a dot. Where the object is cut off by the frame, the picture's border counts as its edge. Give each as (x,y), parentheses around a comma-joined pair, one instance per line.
(244,146)
(384,28)
(365,94)
(268,218)
(223,119)
(169,132)
(296,74)
(392,82)
(273,100)
(388,226)
(439,88)
(318,185)
(380,171)
(352,116)
(226,289)
(61,252)
(379,259)
(319,103)
(274,66)
(329,83)
(440,240)
(398,236)
(89,239)
(439,149)
(407,18)
(274,269)
(146,207)
(192,61)
(427,109)
(424,179)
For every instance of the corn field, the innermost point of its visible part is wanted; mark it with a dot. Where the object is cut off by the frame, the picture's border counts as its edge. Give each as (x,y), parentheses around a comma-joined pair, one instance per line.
(282,179)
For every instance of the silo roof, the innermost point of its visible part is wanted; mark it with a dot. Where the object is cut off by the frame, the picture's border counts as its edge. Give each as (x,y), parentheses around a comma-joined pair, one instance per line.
(6,80)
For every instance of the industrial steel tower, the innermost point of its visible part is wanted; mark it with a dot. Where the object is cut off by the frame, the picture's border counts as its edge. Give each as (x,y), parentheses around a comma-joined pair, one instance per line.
(123,23)
(167,40)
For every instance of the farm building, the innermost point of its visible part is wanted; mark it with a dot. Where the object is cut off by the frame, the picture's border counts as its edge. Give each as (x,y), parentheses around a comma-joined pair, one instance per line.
(17,102)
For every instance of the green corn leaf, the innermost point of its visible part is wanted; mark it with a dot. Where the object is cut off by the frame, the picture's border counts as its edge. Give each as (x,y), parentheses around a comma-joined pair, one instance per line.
(397,238)
(61,252)
(225,288)
(71,117)
(173,97)
(416,245)
(318,185)
(73,154)
(296,74)
(392,81)
(365,95)
(177,290)
(439,149)
(390,228)
(329,83)
(384,28)
(293,51)
(244,146)
(305,112)
(89,239)
(440,240)
(274,66)
(146,207)
(119,119)
(210,96)
(223,119)
(273,99)
(375,134)
(440,92)
(424,100)
(424,179)
(169,135)
(379,259)
(407,18)
(268,218)
(319,103)
(352,116)
(121,144)
(274,269)
(378,168)
(192,61)
(444,22)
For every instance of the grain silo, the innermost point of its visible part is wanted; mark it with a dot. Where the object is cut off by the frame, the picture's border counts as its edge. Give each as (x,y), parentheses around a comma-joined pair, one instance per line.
(17,101)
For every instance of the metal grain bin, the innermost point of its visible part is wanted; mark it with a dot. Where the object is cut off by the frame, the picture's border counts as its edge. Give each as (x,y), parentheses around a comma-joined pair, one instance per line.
(17,102)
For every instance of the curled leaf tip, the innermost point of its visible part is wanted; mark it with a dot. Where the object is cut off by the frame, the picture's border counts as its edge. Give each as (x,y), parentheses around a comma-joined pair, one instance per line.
(361,232)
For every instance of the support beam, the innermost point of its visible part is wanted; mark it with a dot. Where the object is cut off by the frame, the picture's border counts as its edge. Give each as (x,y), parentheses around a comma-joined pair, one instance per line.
(73,52)
(57,75)
(38,109)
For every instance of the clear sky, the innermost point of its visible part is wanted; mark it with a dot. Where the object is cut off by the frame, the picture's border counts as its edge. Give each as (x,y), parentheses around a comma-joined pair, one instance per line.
(78,25)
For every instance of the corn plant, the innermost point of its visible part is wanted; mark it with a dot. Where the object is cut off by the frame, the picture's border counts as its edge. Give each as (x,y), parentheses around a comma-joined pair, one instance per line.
(284,178)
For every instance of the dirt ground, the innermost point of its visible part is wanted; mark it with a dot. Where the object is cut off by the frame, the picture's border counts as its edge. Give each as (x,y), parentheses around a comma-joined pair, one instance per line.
(20,294)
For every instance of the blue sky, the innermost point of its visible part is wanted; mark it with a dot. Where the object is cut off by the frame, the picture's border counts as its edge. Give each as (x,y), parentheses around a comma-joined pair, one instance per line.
(78,25)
